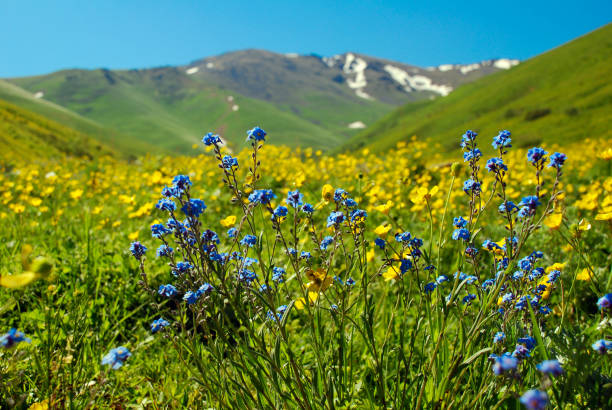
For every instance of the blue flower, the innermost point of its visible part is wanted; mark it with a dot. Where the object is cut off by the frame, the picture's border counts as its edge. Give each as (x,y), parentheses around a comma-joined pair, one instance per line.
(206,289)
(232,232)
(507,206)
(280,211)
(13,337)
(467,138)
(602,346)
(229,162)
(531,202)
(256,134)
(441,279)
(430,287)
(159,324)
(534,399)
(605,302)
(247,276)
(380,243)
(116,357)
(405,265)
(350,202)
(191,297)
(165,204)
(340,195)
(471,186)
(487,284)
(461,233)
(520,352)
(307,208)
(250,261)
(292,251)
(459,222)
(305,255)
(138,250)
(499,337)
(472,155)
(468,298)
(294,198)
(280,311)
(504,363)
(194,207)
(536,155)
(550,367)
(210,236)
(249,240)
(528,341)
(350,282)
(358,215)
(181,268)
(159,230)
(403,237)
(557,160)
(502,140)
(325,242)
(496,165)
(181,183)
(211,139)
(278,275)
(335,219)
(167,290)
(262,196)
(164,250)
(263,288)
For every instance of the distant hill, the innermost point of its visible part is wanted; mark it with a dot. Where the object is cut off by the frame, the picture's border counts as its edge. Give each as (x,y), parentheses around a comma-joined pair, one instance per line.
(27,137)
(562,95)
(300,100)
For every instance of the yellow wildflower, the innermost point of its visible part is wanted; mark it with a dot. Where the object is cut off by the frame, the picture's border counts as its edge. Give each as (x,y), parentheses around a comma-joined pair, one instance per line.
(229,221)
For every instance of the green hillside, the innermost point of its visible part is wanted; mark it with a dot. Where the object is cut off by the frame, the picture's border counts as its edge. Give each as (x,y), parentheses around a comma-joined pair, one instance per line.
(112,138)
(560,96)
(169,109)
(25,136)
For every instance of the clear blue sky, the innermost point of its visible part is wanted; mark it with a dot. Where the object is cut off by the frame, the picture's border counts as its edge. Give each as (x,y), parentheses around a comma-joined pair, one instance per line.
(43,36)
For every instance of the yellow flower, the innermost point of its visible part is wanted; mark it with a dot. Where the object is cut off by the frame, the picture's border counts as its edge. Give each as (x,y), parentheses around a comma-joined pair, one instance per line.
(42,405)
(300,302)
(421,195)
(319,279)
(603,216)
(76,194)
(229,221)
(385,207)
(97,210)
(382,230)
(556,266)
(327,193)
(393,272)
(18,208)
(553,221)
(370,255)
(584,274)
(133,236)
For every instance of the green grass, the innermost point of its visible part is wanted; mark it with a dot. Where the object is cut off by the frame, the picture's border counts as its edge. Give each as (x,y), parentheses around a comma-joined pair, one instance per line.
(560,96)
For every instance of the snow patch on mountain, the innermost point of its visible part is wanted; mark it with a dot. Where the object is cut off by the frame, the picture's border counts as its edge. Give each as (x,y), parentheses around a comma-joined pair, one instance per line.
(210,65)
(505,63)
(39,94)
(291,55)
(192,70)
(356,125)
(469,67)
(445,67)
(416,82)
(357,66)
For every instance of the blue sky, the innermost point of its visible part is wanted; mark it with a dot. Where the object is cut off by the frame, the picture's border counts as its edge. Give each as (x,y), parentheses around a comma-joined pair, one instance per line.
(44,36)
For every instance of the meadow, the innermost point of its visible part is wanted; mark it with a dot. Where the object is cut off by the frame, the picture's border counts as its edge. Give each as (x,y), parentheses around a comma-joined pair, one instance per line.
(276,277)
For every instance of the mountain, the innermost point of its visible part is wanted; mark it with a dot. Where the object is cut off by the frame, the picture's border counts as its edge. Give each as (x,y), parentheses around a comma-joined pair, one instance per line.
(26,136)
(562,95)
(300,100)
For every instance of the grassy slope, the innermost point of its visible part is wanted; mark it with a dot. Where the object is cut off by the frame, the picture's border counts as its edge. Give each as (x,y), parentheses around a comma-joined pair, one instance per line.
(171,110)
(26,136)
(25,100)
(572,81)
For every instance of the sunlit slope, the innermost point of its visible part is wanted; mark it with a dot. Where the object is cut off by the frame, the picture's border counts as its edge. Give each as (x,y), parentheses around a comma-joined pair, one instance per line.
(562,95)
(169,109)
(28,137)
(110,137)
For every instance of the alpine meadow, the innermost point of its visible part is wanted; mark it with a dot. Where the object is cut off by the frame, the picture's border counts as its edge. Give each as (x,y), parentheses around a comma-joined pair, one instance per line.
(266,230)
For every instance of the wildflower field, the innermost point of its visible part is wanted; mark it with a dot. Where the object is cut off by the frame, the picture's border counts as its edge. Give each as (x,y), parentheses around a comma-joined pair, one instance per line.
(283,278)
